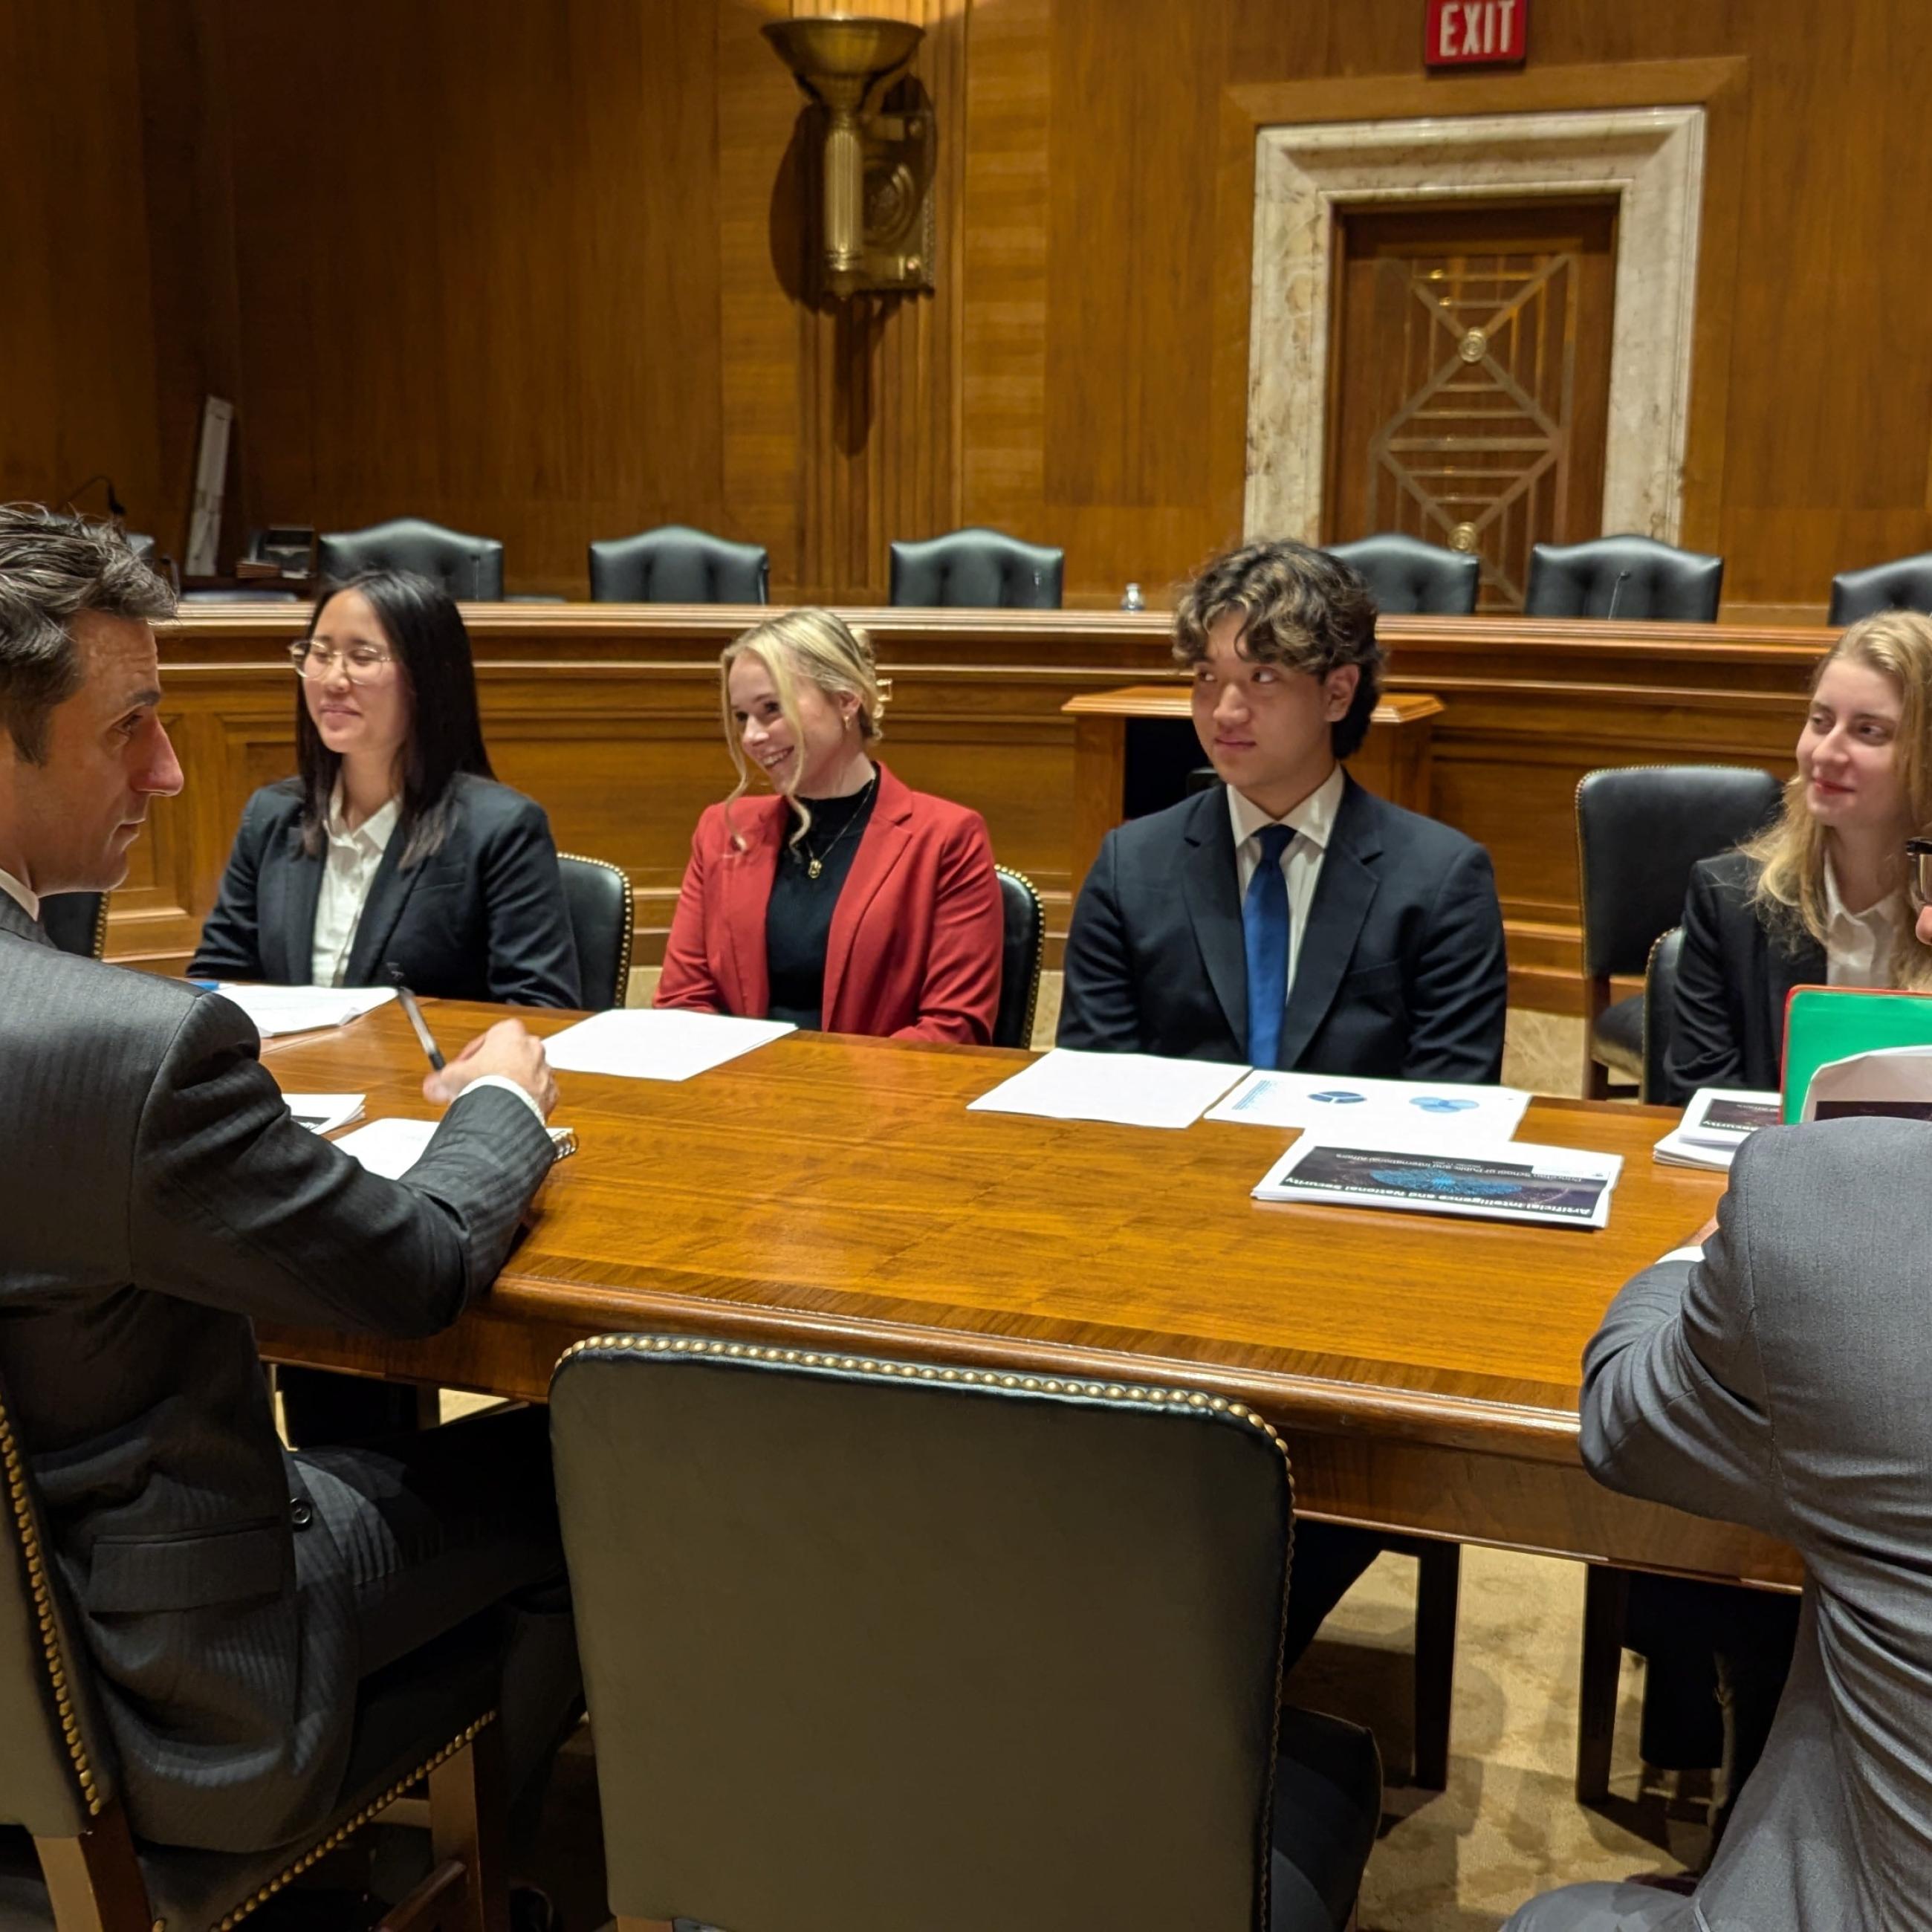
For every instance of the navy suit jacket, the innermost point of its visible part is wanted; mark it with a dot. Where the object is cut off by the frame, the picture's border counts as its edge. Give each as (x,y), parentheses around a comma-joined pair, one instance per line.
(1401,974)
(482,918)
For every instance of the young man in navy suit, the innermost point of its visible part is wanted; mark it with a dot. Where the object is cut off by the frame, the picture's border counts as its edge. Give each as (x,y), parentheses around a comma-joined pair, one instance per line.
(1286,917)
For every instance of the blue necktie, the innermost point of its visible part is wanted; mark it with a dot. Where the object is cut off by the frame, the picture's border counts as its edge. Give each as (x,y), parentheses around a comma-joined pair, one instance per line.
(1264,929)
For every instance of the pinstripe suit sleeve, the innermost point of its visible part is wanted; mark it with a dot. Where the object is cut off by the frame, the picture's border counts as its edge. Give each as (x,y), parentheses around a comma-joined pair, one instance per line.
(234,1205)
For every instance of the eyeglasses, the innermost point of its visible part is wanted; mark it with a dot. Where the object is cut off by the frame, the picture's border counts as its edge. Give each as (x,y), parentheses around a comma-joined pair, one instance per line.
(1918,869)
(361,662)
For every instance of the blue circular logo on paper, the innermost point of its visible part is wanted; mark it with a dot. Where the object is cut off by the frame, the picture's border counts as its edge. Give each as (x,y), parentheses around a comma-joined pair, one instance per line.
(1437,1182)
(1440,1103)
(1338,1097)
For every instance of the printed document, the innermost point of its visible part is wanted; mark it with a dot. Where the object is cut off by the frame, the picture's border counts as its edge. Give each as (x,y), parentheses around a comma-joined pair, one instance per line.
(1132,1090)
(652,1043)
(1447,1114)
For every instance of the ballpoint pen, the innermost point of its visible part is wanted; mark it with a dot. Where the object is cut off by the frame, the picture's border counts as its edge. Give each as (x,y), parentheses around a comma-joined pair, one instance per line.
(414,1014)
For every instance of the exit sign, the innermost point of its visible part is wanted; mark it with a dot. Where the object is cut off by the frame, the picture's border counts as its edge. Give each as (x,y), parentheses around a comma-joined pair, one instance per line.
(1463,33)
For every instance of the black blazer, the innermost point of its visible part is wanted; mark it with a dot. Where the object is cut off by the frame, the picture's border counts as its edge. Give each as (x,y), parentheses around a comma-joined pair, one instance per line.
(1733,978)
(483,918)
(1401,974)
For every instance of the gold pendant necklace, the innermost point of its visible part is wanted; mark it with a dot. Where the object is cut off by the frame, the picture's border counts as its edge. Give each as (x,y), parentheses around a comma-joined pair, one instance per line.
(812,870)
(815,862)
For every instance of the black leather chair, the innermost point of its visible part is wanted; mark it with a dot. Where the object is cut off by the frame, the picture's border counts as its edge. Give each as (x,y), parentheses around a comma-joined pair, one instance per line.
(1639,830)
(77,923)
(469,568)
(1405,574)
(877,1646)
(675,565)
(1904,584)
(1633,577)
(68,1860)
(977,569)
(1660,1010)
(1022,950)
(597,895)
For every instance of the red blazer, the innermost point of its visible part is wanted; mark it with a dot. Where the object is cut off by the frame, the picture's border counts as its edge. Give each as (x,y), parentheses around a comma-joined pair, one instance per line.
(914,950)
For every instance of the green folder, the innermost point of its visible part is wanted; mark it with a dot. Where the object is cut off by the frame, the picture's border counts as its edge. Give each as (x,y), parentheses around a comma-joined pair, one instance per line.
(1826,1023)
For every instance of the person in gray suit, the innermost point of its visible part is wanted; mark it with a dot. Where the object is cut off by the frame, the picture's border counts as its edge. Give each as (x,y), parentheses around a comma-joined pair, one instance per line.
(1783,1379)
(156,1195)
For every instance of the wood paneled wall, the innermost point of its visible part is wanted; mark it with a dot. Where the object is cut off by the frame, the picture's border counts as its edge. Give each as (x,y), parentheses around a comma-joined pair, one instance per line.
(540,271)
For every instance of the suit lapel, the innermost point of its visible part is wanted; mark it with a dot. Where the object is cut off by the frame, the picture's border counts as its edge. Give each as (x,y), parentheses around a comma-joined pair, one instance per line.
(13,918)
(291,885)
(389,892)
(745,896)
(1805,966)
(882,845)
(1343,893)
(1211,886)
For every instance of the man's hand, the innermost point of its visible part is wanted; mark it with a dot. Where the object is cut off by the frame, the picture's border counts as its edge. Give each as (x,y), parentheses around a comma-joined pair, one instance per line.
(510,1048)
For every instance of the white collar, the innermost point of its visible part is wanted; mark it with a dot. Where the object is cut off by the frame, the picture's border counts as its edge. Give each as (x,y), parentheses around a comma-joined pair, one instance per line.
(375,831)
(1884,915)
(1313,818)
(29,903)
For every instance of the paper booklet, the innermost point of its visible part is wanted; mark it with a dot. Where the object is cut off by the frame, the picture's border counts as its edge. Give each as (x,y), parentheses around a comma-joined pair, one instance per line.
(280,1009)
(1447,1113)
(1895,1081)
(1717,1122)
(1131,1090)
(323,1113)
(1516,1181)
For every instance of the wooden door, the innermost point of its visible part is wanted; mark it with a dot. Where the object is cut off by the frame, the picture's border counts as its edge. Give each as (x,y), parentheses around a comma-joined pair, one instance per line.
(1469,379)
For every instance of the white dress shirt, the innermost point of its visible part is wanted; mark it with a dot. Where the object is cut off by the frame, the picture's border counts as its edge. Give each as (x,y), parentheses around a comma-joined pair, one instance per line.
(29,902)
(1858,945)
(1313,823)
(348,873)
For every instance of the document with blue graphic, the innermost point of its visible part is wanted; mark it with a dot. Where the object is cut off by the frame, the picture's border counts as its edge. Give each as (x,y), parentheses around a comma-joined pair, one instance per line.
(1563,1187)
(1445,1113)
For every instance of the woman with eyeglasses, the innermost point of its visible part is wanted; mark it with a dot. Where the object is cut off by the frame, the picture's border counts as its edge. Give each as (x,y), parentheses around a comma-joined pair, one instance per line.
(393,843)
(846,900)
(1820,897)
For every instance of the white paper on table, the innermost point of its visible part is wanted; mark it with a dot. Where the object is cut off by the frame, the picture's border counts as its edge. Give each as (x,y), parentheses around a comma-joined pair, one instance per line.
(1717,1122)
(1131,1090)
(280,1009)
(323,1113)
(657,1043)
(1449,1114)
(1513,1180)
(1892,1080)
(389,1147)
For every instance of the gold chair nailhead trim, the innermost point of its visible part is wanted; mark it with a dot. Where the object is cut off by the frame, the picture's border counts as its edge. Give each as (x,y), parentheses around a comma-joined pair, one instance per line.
(630,918)
(43,1609)
(1039,949)
(349,1827)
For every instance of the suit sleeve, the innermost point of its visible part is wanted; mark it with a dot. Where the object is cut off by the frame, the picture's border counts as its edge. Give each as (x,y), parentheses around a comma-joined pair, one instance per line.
(959,997)
(1674,1395)
(686,980)
(1705,1050)
(235,1206)
(532,953)
(229,947)
(1459,989)
(1099,1011)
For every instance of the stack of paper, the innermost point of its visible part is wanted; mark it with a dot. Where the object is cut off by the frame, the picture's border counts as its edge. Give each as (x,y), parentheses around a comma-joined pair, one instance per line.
(1507,1181)
(1717,1122)
(390,1147)
(645,1043)
(1133,1089)
(1441,1111)
(279,1010)
(323,1113)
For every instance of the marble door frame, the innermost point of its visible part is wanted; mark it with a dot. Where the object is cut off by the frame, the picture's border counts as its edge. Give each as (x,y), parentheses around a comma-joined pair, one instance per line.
(1651,159)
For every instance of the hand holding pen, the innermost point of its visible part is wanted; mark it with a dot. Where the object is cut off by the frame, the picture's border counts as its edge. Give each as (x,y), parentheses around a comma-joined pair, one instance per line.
(508,1048)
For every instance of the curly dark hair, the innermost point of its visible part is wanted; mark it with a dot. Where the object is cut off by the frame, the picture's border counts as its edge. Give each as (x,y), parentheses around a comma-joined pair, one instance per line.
(1299,607)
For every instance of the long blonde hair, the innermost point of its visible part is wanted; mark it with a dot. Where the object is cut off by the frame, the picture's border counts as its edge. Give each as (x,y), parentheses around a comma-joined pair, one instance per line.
(1790,852)
(815,645)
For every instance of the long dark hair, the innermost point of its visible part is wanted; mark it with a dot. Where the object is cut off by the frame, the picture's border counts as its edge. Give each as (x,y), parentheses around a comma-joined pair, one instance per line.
(423,629)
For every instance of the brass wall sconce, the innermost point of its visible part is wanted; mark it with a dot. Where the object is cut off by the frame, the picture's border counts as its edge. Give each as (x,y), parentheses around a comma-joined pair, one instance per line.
(878,223)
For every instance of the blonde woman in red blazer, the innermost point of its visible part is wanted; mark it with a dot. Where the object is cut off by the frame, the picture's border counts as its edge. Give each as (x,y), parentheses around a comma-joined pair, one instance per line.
(847,900)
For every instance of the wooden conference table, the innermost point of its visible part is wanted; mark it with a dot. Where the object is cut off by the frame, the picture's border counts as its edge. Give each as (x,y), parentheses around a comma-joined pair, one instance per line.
(834,1193)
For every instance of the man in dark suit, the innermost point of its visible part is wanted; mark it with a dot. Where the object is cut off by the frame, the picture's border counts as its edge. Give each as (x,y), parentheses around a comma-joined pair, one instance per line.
(156,1195)
(1286,917)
